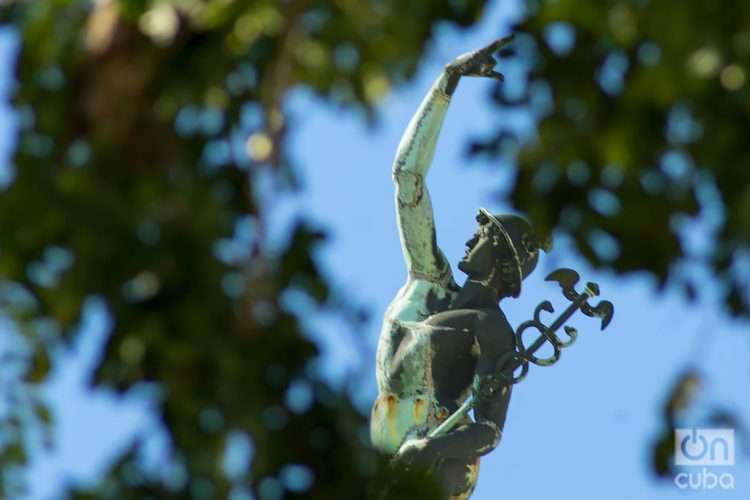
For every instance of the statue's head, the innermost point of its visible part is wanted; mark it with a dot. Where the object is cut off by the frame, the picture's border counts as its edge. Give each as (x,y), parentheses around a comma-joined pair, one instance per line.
(502,253)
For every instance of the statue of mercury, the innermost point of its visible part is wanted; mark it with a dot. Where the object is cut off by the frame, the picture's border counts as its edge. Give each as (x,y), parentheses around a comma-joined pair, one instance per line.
(439,341)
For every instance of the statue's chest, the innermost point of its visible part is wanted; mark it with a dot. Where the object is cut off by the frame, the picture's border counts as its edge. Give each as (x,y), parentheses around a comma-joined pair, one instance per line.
(425,359)
(408,364)
(423,377)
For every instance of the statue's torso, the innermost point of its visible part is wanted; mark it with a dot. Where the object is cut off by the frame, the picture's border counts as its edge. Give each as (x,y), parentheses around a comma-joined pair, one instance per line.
(425,364)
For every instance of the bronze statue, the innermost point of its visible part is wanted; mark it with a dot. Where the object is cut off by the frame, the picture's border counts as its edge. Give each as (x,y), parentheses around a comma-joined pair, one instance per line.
(445,350)
(440,340)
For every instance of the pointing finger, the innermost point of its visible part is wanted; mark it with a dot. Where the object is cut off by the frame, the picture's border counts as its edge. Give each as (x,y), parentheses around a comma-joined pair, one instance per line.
(496,76)
(497,44)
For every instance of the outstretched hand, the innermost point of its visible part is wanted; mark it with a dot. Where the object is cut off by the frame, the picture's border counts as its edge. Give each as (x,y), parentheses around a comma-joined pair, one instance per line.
(480,62)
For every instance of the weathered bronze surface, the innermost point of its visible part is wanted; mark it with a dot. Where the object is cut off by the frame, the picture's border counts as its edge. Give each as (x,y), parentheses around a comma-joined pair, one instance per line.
(446,349)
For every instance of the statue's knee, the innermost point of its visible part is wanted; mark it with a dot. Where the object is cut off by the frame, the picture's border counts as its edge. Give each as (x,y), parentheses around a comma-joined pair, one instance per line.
(494,436)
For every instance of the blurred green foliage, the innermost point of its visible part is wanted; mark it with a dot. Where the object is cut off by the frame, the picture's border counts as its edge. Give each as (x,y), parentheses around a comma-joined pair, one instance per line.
(147,126)
(144,128)
(643,111)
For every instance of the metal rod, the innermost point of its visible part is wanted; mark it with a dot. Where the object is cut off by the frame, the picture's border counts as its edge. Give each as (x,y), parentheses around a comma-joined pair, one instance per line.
(451,421)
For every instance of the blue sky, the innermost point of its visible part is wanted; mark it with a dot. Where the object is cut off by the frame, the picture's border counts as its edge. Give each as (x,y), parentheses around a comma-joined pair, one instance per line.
(579,429)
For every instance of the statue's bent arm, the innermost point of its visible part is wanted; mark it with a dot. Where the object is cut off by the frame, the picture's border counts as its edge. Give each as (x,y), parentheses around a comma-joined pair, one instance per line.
(416,225)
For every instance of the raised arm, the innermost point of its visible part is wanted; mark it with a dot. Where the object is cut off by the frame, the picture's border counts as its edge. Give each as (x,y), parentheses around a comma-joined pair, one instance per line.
(416,225)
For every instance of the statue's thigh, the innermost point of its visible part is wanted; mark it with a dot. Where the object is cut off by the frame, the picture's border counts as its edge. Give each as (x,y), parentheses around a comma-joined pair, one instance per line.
(454,330)
(453,333)
(454,357)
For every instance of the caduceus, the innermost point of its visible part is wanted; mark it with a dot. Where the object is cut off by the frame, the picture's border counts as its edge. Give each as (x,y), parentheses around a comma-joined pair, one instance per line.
(522,356)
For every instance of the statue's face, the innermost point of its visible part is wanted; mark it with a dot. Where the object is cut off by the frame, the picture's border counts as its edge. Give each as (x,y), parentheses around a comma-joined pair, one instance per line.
(479,258)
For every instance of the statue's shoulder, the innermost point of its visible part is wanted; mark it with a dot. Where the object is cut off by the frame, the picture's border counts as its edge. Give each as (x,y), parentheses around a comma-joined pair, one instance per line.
(483,314)
(492,319)
(419,299)
(479,321)
(456,317)
(492,315)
